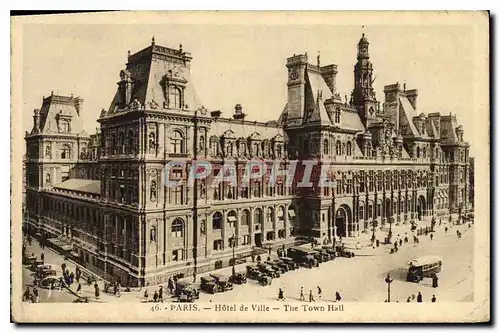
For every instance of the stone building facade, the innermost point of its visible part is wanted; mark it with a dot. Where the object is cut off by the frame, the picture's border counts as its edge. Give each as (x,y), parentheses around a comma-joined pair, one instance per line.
(104,196)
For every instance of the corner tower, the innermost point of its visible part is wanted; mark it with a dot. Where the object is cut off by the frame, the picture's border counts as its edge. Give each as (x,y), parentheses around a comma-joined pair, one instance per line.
(363,95)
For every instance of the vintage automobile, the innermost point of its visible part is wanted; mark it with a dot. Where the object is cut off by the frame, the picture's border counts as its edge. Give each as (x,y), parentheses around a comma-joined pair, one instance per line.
(186,298)
(265,280)
(268,270)
(278,267)
(292,265)
(282,264)
(343,252)
(238,278)
(208,284)
(35,263)
(45,270)
(303,256)
(186,288)
(50,282)
(330,250)
(324,255)
(29,259)
(222,281)
(423,267)
(254,273)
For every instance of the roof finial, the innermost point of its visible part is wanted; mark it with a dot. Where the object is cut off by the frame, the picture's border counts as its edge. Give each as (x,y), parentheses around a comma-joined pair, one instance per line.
(363,35)
(306,52)
(128,53)
(404,86)
(318,58)
(180,48)
(153,40)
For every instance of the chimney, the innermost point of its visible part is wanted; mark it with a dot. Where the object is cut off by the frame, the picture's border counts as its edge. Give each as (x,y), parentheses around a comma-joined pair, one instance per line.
(215,114)
(36,120)
(329,74)
(79,105)
(238,112)
(412,95)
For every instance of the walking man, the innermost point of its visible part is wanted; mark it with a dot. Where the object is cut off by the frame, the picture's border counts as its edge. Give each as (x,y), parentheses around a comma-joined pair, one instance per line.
(337,297)
(433,299)
(280,295)
(302,297)
(446,230)
(419,297)
(319,292)
(432,236)
(311,297)
(42,256)
(160,294)
(170,285)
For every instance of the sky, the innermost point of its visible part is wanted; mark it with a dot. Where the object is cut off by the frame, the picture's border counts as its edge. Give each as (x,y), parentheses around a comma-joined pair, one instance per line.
(245,63)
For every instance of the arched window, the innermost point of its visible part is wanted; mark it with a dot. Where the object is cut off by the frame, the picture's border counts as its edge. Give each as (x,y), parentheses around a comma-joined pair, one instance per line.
(66,152)
(418,152)
(231,219)
(177,142)
(325,147)
(338,148)
(270,215)
(424,152)
(245,217)
(258,219)
(202,143)
(174,98)
(349,148)
(178,228)
(217,221)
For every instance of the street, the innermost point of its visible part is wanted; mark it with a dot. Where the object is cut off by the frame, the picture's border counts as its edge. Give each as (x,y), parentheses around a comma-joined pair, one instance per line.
(358,279)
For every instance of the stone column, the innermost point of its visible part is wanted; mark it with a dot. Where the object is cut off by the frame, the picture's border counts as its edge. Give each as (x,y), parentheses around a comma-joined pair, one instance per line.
(251,226)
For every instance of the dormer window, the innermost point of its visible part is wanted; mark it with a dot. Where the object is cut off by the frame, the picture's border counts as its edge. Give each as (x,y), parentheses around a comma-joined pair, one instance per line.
(64,126)
(337,115)
(174,98)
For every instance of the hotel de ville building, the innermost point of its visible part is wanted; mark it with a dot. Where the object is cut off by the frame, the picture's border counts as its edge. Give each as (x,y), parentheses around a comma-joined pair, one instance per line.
(102,197)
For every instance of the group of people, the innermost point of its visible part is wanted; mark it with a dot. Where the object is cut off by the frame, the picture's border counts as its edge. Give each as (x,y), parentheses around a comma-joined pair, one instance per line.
(338,298)
(157,295)
(29,296)
(420,298)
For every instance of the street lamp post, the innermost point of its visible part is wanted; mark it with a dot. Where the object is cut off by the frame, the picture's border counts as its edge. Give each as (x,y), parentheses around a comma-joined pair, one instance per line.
(391,221)
(388,280)
(234,241)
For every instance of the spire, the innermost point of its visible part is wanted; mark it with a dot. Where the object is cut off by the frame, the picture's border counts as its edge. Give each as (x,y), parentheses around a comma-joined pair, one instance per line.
(318,58)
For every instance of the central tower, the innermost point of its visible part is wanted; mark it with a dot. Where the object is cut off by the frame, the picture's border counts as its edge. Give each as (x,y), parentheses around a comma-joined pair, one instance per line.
(363,95)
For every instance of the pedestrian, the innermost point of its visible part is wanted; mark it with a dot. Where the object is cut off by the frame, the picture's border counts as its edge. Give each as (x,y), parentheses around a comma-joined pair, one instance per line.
(408,300)
(400,242)
(118,289)
(433,299)
(146,295)
(311,298)
(194,277)
(419,297)
(406,239)
(253,257)
(155,296)
(434,280)
(27,294)
(160,294)
(42,256)
(269,249)
(115,288)
(79,288)
(170,285)
(268,258)
(446,229)
(337,297)
(432,236)
(96,290)
(302,297)
(280,295)
(259,259)
(319,292)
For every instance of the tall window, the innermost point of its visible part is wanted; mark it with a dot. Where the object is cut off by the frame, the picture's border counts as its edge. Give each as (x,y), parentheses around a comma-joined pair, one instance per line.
(177,194)
(174,98)
(121,142)
(177,228)
(338,148)
(64,126)
(258,219)
(325,147)
(177,142)
(65,152)
(337,115)
(217,221)
(130,142)
(349,148)
(245,217)
(270,215)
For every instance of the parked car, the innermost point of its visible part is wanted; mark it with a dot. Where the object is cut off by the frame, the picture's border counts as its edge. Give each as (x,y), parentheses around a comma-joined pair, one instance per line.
(50,282)
(222,281)
(268,270)
(29,259)
(208,284)
(325,256)
(254,273)
(303,256)
(45,270)
(343,252)
(292,265)
(238,278)
(282,269)
(265,280)
(330,250)
(186,288)
(35,263)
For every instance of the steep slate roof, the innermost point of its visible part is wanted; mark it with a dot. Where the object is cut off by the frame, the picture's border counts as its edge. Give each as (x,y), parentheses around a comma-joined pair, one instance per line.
(408,112)
(55,105)
(81,185)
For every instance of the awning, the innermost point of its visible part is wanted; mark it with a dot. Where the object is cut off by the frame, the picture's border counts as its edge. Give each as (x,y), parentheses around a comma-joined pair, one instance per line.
(231,218)
(291,213)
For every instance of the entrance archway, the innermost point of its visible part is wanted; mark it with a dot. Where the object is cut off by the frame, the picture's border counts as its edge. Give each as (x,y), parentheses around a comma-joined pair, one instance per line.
(343,218)
(420,207)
